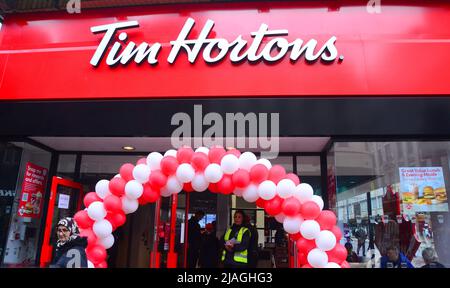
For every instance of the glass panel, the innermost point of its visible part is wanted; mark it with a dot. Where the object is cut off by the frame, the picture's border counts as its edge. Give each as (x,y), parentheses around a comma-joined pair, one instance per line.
(308,169)
(66,166)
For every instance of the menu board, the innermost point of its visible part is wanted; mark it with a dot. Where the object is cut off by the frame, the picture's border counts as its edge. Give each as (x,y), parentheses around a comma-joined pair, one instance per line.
(423,189)
(33,186)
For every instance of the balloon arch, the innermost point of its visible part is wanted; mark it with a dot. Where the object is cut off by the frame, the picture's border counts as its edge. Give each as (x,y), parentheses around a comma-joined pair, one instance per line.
(228,172)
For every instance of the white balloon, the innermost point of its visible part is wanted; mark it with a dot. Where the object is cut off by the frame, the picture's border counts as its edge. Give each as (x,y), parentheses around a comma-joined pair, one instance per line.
(202,150)
(173,185)
(310,229)
(185,173)
(171,152)
(286,188)
(265,162)
(213,173)
(96,211)
(318,200)
(154,160)
(326,240)
(90,264)
(102,189)
(141,173)
(199,182)
(250,193)
(107,241)
(303,192)
(238,191)
(129,205)
(133,189)
(317,258)
(229,164)
(165,192)
(332,265)
(292,224)
(267,190)
(102,228)
(280,217)
(117,176)
(247,160)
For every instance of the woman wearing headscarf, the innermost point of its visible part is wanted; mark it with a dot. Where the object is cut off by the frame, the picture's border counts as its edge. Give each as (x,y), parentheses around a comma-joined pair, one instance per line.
(70,246)
(236,242)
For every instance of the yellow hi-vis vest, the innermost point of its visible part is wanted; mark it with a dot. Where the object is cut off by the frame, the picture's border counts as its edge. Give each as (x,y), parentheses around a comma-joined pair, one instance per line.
(239,256)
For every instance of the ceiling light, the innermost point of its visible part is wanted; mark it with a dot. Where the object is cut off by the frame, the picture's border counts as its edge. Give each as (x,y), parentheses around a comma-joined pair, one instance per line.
(128,148)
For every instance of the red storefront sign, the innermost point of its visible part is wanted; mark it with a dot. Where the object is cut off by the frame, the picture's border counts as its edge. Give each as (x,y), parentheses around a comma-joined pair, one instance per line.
(30,204)
(402,50)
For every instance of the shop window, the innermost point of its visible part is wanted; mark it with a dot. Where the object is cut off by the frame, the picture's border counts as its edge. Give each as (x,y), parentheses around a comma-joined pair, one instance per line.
(66,166)
(309,171)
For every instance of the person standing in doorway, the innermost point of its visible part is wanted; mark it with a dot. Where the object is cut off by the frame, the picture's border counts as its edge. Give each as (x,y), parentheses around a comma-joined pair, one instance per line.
(194,239)
(236,242)
(253,246)
(209,252)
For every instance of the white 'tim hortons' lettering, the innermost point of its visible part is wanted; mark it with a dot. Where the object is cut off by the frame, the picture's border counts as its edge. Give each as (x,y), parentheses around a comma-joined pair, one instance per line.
(274,50)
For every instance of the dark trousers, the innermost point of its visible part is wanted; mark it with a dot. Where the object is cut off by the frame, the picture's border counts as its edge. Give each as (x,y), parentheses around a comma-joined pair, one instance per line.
(363,246)
(192,258)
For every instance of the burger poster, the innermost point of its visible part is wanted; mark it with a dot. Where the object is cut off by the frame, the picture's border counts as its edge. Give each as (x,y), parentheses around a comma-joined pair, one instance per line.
(423,189)
(30,202)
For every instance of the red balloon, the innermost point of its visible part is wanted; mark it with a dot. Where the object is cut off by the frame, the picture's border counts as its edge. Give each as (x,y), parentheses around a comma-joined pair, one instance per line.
(142,201)
(126,171)
(345,264)
(293,177)
(116,219)
(169,165)
(215,154)
(142,161)
(310,210)
(295,237)
(277,173)
(225,185)
(90,235)
(90,197)
(112,203)
(157,179)
(150,194)
(327,219)
(184,154)
(302,259)
(83,220)
(337,232)
(305,245)
(259,173)
(188,187)
(274,206)
(213,187)
(307,266)
(117,186)
(234,152)
(261,203)
(199,161)
(291,206)
(241,178)
(337,254)
(103,264)
(96,254)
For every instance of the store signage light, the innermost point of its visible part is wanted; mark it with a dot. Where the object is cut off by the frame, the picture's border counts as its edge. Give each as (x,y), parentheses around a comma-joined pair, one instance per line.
(123,51)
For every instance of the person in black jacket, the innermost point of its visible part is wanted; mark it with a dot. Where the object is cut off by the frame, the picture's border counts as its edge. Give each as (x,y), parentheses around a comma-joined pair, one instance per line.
(253,246)
(236,242)
(194,236)
(70,247)
(209,252)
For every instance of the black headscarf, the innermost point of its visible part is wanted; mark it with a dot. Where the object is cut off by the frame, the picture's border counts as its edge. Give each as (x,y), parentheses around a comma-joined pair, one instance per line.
(70,224)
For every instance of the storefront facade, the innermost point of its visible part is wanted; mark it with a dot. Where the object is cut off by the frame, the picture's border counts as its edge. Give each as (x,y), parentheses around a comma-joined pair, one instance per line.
(370,90)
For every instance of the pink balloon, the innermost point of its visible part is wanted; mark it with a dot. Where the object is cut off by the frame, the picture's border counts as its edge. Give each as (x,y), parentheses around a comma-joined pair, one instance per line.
(305,245)
(96,254)
(303,259)
(184,154)
(291,206)
(116,219)
(213,187)
(199,161)
(215,154)
(102,265)
(274,206)
(293,177)
(90,235)
(169,165)
(241,178)
(91,197)
(337,232)
(277,173)
(235,152)
(157,179)
(337,254)
(188,187)
(83,220)
(261,203)
(307,266)
(345,265)
(142,161)
(150,195)
(126,171)
(112,203)
(117,186)
(310,210)
(259,173)
(225,185)
(295,237)
(327,219)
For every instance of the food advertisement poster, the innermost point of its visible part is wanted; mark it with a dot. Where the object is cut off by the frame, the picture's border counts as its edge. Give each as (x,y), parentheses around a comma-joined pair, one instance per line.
(33,186)
(423,189)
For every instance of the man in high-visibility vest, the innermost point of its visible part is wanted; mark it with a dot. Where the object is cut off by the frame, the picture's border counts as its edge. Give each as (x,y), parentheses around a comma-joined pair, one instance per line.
(236,241)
